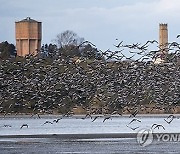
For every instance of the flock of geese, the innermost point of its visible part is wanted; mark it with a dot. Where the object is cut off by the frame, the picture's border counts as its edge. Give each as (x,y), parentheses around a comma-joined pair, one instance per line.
(115,86)
(130,125)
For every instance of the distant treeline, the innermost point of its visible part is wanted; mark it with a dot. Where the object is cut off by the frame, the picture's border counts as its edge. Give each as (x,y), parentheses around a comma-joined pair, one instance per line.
(67,43)
(7,50)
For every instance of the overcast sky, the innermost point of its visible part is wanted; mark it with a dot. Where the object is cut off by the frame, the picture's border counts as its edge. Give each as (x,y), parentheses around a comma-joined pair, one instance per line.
(99,21)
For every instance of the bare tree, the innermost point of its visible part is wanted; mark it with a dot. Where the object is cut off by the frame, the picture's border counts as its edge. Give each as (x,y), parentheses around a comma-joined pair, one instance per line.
(68,38)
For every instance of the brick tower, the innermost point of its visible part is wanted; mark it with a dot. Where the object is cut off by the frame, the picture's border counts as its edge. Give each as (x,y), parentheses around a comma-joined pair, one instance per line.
(163,37)
(163,44)
(28,36)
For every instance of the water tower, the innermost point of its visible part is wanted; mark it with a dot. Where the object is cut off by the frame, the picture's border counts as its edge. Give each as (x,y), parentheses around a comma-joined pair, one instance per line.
(28,36)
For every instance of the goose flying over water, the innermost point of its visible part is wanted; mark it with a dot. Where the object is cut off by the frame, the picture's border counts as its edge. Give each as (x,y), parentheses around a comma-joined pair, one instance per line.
(95,118)
(47,122)
(158,126)
(7,126)
(133,120)
(24,125)
(57,120)
(133,128)
(106,118)
(170,118)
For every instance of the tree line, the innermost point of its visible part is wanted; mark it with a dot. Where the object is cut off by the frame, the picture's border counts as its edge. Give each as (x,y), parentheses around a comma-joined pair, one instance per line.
(67,44)
(7,50)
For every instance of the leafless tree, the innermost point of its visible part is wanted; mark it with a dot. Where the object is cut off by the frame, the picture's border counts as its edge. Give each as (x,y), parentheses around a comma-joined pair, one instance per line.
(68,38)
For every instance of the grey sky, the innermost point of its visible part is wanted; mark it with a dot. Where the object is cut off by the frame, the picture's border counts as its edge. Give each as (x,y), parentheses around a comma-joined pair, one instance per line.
(99,21)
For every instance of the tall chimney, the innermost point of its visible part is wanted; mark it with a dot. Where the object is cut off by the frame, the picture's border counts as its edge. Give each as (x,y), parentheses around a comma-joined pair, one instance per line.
(163,38)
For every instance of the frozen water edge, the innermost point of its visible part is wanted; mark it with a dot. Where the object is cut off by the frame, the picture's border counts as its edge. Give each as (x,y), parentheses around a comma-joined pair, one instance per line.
(75,125)
(74,135)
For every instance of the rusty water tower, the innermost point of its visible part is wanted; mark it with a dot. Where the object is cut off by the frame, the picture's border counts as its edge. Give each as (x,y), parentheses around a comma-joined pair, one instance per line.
(28,36)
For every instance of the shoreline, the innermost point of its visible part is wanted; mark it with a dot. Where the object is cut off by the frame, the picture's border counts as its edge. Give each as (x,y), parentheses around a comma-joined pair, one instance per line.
(81,136)
(82,115)
(74,136)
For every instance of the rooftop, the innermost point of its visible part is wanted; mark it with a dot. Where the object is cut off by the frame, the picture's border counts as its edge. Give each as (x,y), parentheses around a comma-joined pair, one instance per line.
(28,19)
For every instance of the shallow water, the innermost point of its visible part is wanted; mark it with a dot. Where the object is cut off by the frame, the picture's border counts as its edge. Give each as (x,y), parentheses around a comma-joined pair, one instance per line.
(75,125)
(85,146)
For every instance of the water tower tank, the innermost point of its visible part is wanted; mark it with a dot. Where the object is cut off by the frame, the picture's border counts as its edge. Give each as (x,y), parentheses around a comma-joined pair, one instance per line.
(28,36)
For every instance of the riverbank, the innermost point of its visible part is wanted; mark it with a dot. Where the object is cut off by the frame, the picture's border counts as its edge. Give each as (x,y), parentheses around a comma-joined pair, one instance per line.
(79,116)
